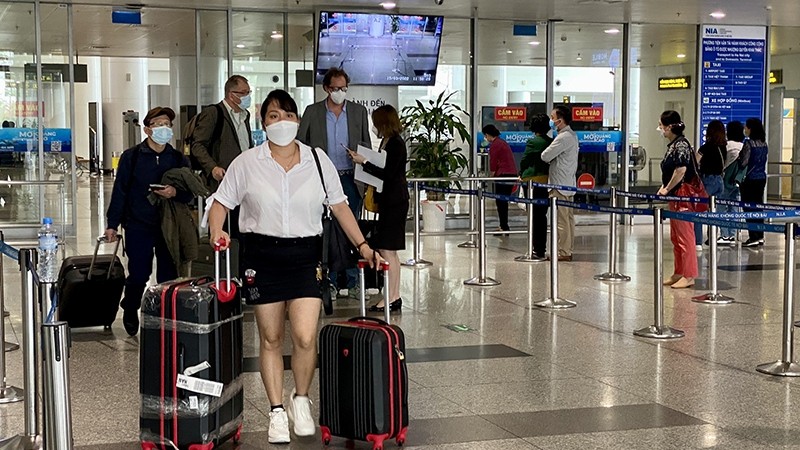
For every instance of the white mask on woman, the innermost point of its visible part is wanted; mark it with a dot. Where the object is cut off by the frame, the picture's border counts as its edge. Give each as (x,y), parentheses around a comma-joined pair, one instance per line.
(282,133)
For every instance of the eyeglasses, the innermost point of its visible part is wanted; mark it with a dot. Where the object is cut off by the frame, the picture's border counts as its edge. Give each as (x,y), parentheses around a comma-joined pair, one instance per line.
(338,89)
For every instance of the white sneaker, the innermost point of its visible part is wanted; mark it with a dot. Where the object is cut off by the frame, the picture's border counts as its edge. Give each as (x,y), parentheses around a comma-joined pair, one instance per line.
(300,413)
(278,427)
(699,248)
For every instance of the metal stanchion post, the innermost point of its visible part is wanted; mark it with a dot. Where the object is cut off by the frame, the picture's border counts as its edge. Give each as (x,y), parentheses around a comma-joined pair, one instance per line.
(46,291)
(481,279)
(530,255)
(57,402)
(417,260)
(658,330)
(30,361)
(786,367)
(7,346)
(8,394)
(612,275)
(713,297)
(554,302)
(470,243)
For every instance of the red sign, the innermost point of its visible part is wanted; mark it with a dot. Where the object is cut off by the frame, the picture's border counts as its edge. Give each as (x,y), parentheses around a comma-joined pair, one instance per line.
(587,114)
(28,108)
(510,113)
(586,181)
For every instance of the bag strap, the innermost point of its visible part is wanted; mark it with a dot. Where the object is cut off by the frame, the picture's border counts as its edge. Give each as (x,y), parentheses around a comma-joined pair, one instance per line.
(326,216)
(321,177)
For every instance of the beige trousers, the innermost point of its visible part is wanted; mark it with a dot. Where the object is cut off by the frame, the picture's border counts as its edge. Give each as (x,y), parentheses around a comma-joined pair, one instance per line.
(566,225)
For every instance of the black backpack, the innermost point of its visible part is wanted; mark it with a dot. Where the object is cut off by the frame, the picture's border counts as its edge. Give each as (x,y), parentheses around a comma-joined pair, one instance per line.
(188,135)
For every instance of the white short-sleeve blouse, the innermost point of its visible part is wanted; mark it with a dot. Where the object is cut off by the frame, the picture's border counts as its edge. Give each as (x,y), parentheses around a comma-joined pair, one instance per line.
(275,202)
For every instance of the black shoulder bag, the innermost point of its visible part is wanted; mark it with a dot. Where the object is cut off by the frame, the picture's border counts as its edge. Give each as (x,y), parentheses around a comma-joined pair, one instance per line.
(337,251)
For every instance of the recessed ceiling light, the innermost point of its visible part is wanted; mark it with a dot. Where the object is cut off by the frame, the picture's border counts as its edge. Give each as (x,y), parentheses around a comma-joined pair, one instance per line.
(388,5)
(681,55)
(612,31)
(240,45)
(579,58)
(509,52)
(717,14)
(534,43)
(276,35)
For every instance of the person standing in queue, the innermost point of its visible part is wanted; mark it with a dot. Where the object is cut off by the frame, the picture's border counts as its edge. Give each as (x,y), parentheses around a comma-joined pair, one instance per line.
(678,166)
(139,173)
(532,168)
(562,155)
(501,164)
(711,159)
(336,125)
(754,157)
(281,195)
(390,235)
(730,191)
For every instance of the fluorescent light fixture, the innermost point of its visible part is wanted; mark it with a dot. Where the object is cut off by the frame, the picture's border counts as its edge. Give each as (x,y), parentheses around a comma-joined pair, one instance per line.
(534,43)
(579,58)
(612,31)
(240,45)
(681,55)
(509,52)
(388,5)
(276,35)
(717,15)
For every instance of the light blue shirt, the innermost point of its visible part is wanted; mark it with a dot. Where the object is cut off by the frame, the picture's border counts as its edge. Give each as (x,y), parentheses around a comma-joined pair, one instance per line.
(337,137)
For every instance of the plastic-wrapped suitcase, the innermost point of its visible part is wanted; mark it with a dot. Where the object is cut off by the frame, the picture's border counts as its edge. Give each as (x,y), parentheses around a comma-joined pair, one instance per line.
(90,288)
(363,380)
(191,364)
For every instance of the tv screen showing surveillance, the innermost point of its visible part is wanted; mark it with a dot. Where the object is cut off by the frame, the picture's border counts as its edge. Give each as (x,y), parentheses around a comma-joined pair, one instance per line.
(380,49)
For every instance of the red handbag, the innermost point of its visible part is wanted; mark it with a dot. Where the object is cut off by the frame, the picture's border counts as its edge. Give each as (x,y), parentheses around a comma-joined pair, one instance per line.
(693,188)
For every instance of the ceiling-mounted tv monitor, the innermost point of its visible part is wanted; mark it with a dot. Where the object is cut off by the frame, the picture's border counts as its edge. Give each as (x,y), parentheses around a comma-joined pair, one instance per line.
(380,49)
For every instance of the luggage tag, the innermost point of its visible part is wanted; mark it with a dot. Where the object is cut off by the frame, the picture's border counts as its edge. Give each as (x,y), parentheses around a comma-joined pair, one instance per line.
(197,369)
(206,387)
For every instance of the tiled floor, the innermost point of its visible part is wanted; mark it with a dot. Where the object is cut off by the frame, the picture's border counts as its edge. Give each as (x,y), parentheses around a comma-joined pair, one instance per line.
(517,377)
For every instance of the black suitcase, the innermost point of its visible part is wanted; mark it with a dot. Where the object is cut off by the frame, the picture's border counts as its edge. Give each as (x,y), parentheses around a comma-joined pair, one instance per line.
(90,288)
(363,380)
(191,327)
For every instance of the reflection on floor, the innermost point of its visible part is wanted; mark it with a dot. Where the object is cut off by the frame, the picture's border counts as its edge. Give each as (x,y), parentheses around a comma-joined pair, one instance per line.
(515,377)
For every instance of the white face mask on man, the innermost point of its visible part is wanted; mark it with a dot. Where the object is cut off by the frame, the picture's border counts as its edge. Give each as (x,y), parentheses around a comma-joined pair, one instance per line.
(338,97)
(282,133)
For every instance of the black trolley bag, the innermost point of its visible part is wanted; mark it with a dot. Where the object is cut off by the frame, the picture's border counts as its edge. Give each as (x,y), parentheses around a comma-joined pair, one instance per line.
(191,363)
(363,380)
(90,288)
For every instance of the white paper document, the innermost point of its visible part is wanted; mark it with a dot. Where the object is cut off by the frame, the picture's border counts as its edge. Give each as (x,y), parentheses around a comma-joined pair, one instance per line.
(377,159)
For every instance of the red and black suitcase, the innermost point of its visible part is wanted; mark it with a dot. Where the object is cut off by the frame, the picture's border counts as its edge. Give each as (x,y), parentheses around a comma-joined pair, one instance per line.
(363,380)
(90,288)
(191,364)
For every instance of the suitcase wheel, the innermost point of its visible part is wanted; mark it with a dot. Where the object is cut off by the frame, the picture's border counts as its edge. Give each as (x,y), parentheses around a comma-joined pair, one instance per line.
(326,435)
(377,440)
(401,437)
(148,445)
(238,436)
(208,446)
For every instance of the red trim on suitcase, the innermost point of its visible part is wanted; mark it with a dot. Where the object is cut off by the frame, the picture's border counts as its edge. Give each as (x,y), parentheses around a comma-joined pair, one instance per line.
(163,376)
(175,363)
(226,291)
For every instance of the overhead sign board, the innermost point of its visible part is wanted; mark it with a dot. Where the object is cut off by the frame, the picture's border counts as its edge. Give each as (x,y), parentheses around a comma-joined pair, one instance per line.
(674,83)
(733,74)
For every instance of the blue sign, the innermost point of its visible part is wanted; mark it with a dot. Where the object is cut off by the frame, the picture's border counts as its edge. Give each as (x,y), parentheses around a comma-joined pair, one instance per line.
(588,141)
(524,30)
(733,74)
(25,139)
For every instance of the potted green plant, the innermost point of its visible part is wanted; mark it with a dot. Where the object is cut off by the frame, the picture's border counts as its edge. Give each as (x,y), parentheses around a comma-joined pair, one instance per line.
(433,127)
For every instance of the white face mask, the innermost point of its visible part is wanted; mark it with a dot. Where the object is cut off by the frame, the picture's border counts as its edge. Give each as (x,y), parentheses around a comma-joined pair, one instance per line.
(282,133)
(661,132)
(338,97)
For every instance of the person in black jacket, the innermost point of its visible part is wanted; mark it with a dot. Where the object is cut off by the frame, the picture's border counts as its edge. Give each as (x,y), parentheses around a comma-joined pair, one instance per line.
(390,235)
(139,173)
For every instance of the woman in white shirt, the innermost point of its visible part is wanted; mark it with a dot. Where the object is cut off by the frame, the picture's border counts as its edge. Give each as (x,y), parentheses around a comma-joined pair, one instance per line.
(281,195)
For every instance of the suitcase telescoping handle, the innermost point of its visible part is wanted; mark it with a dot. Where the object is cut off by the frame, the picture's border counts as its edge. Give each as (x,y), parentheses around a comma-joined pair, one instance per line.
(229,289)
(362,264)
(102,240)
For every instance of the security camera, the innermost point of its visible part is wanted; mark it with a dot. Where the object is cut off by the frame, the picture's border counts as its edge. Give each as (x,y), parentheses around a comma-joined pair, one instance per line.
(438,2)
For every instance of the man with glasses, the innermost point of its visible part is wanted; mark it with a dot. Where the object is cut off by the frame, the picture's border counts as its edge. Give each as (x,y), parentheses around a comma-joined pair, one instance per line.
(139,173)
(336,125)
(222,133)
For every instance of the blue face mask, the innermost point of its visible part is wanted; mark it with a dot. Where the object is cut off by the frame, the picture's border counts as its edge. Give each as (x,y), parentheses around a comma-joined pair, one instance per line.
(552,124)
(161,135)
(245,101)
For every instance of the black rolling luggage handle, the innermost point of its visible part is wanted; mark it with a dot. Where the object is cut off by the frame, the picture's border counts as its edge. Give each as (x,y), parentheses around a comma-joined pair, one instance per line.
(103,240)
(362,264)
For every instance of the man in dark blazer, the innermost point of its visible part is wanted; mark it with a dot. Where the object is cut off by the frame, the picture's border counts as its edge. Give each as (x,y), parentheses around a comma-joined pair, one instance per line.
(335,125)
(221,134)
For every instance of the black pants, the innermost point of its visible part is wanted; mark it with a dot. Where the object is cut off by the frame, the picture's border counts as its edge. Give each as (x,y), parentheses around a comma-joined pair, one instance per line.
(539,221)
(502,205)
(141,245)
(752,191)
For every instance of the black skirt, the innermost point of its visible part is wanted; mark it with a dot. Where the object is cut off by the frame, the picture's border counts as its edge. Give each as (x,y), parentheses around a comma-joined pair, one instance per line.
(279,269)
(390,233)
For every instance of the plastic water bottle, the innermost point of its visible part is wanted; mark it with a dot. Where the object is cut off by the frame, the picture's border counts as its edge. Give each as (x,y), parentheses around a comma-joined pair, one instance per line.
(48,252)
